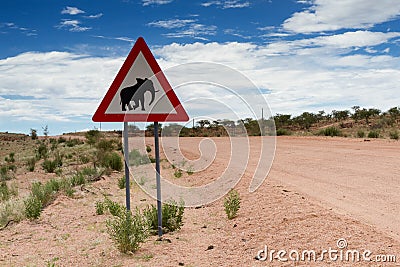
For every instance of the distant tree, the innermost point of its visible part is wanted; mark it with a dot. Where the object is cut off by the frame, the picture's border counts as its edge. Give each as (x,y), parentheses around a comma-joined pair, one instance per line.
(150,129)
(340,115)
(34,134)
(394,113)
(282,120)
(366,113)
(45,131)
(92,136)
(203,123)
(306,120)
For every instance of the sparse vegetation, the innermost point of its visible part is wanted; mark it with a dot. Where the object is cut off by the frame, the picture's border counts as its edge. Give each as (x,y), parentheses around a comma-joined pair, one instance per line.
(330,131)
(136,158)
(31,163)
(360,134)
(113,161)
(121,182)
(232,204)
(172,217)
(394,135)
(178,173)
(373,134)
(128,230)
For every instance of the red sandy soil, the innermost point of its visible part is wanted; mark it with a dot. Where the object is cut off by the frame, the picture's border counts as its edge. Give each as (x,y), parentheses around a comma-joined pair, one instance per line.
(319,190)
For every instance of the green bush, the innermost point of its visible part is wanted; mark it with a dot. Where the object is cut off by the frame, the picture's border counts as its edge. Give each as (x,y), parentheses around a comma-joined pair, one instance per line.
(178,173)
(330,131)
(49,166)
(172,217)
(148,149)
(99,207)
(121,182)
(77,179)
(232,204)
(73,142)
(4,191)
(281,132)
(5,174)
(10,158)
(113,161)
(113,207)
(33,207)
(128,231)
(31,162)
(394,135)
(136,159)
(360,134)
(373,134)
(42,151)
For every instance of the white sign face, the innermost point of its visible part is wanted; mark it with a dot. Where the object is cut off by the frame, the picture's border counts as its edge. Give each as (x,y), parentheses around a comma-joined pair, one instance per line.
(138,97)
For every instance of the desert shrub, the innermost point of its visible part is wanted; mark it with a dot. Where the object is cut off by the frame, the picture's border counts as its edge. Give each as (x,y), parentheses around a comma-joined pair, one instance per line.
(5,174)
(33,207)
(10,158)
(373,134)
(232,204)
(77,179)
(172,217)
(121,182)
(330,131)
(4,191)
(136,159)
(92,136)
(42,151)
(12,167)
(44,193)
(53,185)
(99,207)
(113,207)
(281,132)
(13,209)
(49,165)
(66,187)
(360,134)
(73,142)
(113,161)
(128,230)
(83,158)
(30,163)
(61,140)
(178,173)
(148,149)
(394,135)
(105,145)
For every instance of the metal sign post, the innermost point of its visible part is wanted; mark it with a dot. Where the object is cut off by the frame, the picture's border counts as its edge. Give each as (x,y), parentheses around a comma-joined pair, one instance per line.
(126,156)
(158,179)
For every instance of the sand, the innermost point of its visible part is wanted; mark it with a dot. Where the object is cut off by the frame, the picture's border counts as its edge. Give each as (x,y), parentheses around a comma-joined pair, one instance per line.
(319,190)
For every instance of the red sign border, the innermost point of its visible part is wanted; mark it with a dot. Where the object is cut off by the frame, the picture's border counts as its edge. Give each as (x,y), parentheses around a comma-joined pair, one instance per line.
(140,46)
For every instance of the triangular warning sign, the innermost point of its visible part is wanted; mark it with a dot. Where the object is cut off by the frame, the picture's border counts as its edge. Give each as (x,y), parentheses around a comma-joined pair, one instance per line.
(140,92)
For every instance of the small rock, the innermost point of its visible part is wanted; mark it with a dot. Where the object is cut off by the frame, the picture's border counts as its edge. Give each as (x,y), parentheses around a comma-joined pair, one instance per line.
(204,226)
(235,225)
(181,264)
(210,247)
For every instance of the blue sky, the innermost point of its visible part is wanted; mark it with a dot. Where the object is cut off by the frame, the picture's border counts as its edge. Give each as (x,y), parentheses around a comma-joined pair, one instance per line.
(58,58)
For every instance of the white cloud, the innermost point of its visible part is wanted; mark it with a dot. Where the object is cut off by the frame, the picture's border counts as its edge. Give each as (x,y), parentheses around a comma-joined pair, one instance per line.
(326,72)
(227,4)
(156,2)
(12,26)
(327,15)
(72,25)
(94,16)
(171,24)
(72,11)
(185,28)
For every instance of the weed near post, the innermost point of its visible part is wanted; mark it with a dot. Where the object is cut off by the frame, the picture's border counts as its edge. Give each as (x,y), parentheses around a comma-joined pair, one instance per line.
(128,230)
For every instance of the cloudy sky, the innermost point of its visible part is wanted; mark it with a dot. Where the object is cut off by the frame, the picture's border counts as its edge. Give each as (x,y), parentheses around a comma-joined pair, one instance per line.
(58,58)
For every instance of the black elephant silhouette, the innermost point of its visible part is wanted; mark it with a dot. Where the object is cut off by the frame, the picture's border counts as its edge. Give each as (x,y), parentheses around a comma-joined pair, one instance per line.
(136,94)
